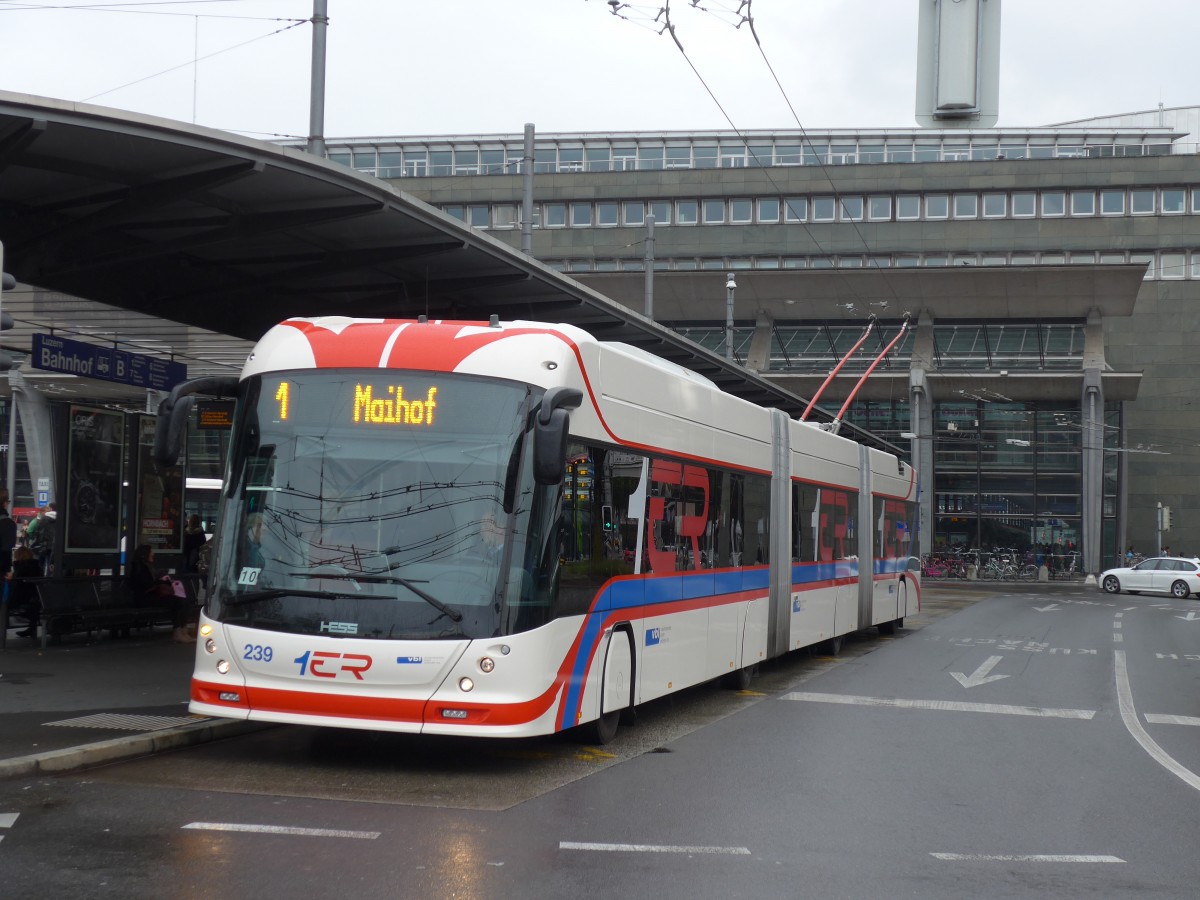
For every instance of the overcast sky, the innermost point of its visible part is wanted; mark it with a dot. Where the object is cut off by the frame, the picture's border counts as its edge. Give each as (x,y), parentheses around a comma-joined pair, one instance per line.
(410,67)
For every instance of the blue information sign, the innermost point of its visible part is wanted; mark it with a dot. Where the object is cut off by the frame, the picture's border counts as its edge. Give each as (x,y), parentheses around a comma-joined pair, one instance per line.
(56,354)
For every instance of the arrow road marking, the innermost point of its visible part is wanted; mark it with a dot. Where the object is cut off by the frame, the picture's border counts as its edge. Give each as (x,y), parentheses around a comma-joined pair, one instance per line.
(7,820)
(1190,617)
(980,675)
(1046,608)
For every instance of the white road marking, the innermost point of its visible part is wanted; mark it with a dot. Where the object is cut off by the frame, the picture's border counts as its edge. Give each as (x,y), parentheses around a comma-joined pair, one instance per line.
(1130,718)
(281,829)
(8,820)
(980,675)
(1162,719)
(650,848)
(1118,638)
(1027,857)
(950,705)
(1118,624)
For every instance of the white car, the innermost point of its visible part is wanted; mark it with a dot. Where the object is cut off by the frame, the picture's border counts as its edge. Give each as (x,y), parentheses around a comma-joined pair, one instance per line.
(1172,575)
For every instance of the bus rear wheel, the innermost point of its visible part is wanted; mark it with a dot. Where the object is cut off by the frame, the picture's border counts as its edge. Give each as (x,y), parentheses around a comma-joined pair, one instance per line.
(602,730)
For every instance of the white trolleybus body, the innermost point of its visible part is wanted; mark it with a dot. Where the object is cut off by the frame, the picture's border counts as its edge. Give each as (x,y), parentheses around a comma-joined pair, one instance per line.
(513,529)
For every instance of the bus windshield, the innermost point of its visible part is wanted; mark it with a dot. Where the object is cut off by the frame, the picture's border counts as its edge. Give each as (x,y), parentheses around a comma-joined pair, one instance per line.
(383,503)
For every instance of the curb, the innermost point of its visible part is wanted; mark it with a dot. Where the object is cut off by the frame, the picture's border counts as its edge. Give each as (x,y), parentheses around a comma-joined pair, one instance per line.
(89,755)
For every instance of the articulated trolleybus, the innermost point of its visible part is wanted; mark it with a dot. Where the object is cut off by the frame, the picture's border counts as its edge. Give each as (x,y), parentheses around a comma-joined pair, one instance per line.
(512,529)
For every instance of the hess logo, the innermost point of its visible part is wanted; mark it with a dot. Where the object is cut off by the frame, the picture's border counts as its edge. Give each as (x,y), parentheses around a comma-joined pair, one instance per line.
(323,664)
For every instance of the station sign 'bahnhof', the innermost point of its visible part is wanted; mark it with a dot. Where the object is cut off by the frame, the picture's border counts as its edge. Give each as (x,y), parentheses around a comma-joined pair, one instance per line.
(56,354)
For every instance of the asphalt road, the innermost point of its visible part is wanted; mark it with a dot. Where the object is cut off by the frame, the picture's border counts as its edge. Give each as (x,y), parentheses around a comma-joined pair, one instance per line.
(1009,744)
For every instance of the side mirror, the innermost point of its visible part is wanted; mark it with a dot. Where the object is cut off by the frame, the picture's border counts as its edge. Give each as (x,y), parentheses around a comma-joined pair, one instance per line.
(170,431)
(550,433)
(550,447)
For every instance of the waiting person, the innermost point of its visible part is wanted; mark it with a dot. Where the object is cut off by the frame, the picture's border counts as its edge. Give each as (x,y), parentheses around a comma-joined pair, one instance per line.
(22,591)
(148,588)
(41,535)
(193,540)
(8,540)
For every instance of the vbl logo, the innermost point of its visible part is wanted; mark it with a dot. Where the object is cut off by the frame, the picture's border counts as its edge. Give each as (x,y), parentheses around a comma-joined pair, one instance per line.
(324,664)
(653,636)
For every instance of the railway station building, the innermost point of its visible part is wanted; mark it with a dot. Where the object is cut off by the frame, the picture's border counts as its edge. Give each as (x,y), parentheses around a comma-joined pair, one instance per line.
(1045,385)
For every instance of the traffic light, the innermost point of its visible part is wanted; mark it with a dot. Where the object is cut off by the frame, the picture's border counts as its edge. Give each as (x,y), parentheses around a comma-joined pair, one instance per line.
(606,517)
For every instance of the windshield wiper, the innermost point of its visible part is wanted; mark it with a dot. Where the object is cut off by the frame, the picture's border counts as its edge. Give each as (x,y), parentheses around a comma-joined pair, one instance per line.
(272,593)
(390,579)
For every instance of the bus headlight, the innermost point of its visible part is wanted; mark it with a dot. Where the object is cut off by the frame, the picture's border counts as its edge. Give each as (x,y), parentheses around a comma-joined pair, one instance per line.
(223,666)
(487,664)
(210,646)
(466,684)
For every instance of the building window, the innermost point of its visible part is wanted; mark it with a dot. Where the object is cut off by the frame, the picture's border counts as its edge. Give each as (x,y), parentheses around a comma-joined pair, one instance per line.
(908,207)
(1112,259)
(995,206)
(1171,265)
(1083,259)
(581,215)
(504,215)
(849,262)
(1083,203)
(1196,200)
(741,211)
(606,213)
(570,159)
(768,209)
(554,215)
(1022,259)
(1196,265)
(794,262)
(479,216)
(1054,203)
(687,212)
(851,209)
(1112,203)
(879,262)
(908,261)
(820,262)
(879,208)
(714,212)
(457,211)
(1141,203)
(634,212)
(1172,201)
(1024,204)
(704,156)
(822,209)
(650,157)
(679,157)
(795,209)
(937,206)
(966,206)
(661,210)
(1054,259)
(598,159)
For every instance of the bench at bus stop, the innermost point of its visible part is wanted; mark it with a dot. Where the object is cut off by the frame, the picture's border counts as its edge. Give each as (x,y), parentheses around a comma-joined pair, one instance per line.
(75,604)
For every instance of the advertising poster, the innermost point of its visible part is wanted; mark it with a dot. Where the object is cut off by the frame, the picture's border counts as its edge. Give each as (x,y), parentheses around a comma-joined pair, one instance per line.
(160,500)
(95,447)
